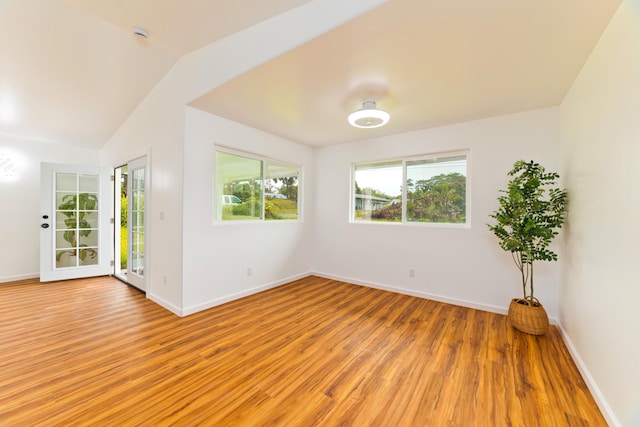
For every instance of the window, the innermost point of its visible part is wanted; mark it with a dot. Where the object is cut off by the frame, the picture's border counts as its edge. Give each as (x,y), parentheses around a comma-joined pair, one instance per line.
(281,191)
(378,192)
(252,188)
(425,189)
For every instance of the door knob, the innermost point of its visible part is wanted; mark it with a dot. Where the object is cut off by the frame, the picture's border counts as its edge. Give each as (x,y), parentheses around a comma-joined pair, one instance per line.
(44,225)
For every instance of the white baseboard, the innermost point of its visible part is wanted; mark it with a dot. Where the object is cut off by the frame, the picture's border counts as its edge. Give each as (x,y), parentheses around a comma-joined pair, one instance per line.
(219,301)
(426,295)
(164,303)
(591,383)
(414,293)
(19,277)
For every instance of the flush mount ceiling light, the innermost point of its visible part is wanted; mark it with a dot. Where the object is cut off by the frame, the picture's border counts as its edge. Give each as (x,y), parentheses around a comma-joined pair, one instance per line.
(369,116)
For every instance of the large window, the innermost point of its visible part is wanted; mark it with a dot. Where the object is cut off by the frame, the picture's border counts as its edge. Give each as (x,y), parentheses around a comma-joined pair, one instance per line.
(253,188)
(425,189)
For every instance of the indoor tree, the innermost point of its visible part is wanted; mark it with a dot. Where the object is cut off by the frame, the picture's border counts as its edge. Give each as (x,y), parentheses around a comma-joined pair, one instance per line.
(532,210)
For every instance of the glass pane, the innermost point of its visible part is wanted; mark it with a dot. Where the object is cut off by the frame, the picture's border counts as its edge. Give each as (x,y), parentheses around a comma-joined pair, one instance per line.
(138,264)
(88,219)
(66,201)
(65,220)
(378,192)
(134,201)
(60,220)
(88,256)
(65,239)
(138,179)
(137,200)
(281,192)
(89,183)
(66,259)
(240,179)
(87,202)
(66,182)
(436,190)
(88,237)
(135,242)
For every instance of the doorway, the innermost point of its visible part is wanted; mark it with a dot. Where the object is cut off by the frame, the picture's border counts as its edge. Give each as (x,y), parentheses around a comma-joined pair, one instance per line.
(129,225)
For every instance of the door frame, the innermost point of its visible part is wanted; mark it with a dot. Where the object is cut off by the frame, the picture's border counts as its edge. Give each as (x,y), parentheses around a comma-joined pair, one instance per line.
(117,223)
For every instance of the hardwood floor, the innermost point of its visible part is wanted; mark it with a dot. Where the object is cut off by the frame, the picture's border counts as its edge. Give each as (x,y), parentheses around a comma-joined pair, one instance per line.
(312,352)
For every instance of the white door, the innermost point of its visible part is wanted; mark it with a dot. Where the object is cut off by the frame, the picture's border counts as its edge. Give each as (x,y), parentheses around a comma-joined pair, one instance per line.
(75,222)
(136,185)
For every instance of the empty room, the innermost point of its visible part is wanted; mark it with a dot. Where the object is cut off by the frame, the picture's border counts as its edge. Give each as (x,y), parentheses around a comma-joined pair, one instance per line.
(308,212)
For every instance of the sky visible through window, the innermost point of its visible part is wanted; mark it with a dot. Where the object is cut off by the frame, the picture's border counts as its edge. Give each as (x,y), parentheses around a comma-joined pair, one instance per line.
(388,180)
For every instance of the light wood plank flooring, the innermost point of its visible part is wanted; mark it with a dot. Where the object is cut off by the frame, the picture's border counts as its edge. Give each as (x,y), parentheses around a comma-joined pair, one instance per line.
(312,352)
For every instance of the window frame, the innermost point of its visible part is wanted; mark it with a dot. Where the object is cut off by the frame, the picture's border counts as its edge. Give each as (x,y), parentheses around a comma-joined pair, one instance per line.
(265,162)
(403,163)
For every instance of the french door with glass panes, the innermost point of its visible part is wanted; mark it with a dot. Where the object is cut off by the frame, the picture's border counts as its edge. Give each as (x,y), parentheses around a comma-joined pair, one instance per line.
(136,184)
(130,185)
(74,222)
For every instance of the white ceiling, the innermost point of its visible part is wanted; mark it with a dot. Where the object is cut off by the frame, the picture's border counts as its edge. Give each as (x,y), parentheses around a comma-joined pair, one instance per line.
(71,72)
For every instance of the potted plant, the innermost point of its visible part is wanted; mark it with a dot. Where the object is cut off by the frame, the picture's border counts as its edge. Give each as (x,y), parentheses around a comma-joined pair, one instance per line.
(75,208)
(532,210)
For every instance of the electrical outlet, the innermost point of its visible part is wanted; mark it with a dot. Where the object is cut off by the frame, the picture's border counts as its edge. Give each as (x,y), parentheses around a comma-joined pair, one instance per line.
(164,280)
(412,272)
(249,272)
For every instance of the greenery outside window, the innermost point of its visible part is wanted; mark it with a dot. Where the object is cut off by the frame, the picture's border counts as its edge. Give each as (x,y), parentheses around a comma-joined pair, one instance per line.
(254,188)
(424,189)
(378,191)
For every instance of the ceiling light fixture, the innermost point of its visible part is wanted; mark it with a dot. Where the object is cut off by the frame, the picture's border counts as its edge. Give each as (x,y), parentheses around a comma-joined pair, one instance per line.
(369,116)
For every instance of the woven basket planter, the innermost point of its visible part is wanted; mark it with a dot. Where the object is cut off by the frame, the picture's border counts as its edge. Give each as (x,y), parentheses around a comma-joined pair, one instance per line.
(528,316)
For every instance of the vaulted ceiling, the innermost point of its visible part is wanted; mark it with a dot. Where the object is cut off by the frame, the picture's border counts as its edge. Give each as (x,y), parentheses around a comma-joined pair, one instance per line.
(71,71)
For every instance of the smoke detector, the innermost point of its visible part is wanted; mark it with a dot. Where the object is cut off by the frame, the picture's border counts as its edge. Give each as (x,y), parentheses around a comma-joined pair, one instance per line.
(140,33)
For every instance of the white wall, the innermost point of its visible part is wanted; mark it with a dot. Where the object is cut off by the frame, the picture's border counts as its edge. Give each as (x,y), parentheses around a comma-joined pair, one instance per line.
(20,208)
(158,125)
(461,265)
(217,255)
(156,129)
(600,154)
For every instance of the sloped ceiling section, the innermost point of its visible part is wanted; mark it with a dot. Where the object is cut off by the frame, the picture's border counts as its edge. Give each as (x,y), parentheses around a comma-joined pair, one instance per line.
(70,77)
(71,71)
